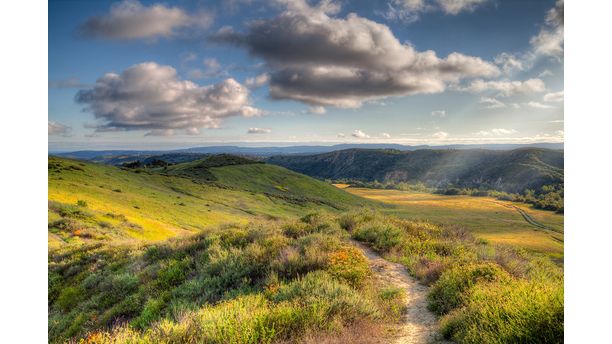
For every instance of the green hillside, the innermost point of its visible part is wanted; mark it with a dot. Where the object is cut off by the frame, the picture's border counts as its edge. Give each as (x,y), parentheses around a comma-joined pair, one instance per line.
(511,171)
(89,201)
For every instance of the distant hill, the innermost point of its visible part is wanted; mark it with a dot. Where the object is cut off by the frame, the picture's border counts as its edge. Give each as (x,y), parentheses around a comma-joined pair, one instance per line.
(89,201)
(512,171)
(117,157)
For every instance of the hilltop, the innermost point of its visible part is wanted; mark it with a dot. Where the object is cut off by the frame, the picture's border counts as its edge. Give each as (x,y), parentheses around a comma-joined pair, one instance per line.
(511,171)
(89,201)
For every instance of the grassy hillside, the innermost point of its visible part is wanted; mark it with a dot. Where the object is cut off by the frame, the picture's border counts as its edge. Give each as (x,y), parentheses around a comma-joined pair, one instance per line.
(511,171)
(89,201)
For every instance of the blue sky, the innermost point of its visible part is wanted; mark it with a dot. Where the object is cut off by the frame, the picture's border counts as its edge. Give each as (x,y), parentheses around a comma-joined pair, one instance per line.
(151,74)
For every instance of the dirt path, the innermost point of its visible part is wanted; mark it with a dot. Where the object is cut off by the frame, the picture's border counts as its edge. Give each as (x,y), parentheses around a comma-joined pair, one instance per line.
(528,218)
(419,325)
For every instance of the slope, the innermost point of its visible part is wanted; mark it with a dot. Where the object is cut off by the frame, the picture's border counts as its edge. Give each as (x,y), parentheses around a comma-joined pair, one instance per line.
(89,202)
(511,171)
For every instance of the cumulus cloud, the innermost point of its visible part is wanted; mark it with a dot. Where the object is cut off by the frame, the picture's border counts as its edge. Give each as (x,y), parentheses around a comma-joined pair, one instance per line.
(385,135)
(491,103)
(319,110)
(318,59)
(58,129)
(149,96)
(538,105)
(506,88)
(129,19)
(440,135)
(509,63)
(410,10)
(549,41)
(360,134)
(257,81)
(259,131)
(554,97)
(341,135)
(438,113)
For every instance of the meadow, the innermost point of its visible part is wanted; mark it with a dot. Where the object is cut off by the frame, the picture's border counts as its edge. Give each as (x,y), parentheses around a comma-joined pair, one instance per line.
(488,218)
(97,202)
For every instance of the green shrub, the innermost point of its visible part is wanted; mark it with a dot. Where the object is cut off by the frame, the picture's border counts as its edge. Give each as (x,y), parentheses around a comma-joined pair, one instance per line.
(69,297)
(382,236)
(518,311)
(453,287)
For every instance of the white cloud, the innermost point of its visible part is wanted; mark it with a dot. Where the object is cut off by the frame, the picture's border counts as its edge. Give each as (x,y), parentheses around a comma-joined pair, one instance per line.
(491,103)
(440,135)
(553,97)
(506,88)
(549,41)
(259,131)
(509,63)
(560,133)
(539,105)
(318,59)
(456,6)
(341,135)
(385,135)
(319,110)
(438,113)
(257,81)
(129,19)
(360,134)
(410,10)
(58,129)
(149,96)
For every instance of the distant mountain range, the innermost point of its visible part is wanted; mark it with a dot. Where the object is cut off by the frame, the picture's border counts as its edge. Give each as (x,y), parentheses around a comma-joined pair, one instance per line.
(505,170)
(190,154)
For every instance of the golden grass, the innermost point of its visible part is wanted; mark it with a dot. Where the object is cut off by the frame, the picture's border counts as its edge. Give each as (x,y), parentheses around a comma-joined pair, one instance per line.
(488,218)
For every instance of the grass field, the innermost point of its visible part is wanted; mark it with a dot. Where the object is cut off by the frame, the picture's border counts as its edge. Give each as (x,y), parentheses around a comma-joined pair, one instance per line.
(488,218)
(134,205)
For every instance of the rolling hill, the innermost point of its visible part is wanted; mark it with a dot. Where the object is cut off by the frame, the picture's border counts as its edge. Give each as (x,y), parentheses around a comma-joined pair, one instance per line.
(511,171)
(89,202)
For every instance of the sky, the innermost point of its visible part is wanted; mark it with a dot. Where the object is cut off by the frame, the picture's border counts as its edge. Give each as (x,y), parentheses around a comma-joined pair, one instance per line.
(146,74)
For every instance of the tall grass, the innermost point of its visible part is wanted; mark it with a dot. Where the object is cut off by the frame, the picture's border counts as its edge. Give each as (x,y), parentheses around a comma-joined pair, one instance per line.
(483,293)
(256,283)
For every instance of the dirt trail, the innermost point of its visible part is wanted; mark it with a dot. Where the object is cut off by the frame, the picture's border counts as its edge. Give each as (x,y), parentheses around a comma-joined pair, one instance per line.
(419,325)
(528,218)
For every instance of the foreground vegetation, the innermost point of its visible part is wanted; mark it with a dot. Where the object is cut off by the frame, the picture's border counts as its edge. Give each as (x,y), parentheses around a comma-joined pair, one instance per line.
(255,283)
(277,280)
(484,293)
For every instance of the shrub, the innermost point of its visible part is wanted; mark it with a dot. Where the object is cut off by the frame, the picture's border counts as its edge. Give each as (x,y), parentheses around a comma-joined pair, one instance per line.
(518,311)
(382,236)
(69,297)
(453,287)
(81,203)
(349,264)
